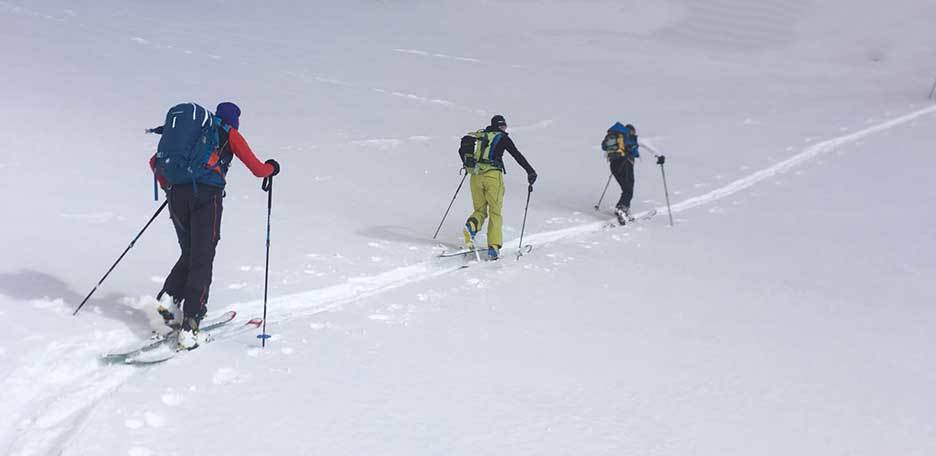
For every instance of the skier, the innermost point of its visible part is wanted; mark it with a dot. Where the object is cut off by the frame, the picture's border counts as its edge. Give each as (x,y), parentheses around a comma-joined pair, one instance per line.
(482,153)
(195,207)
(620,145)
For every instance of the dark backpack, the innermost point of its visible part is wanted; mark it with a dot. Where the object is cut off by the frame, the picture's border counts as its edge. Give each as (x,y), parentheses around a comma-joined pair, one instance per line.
(189,141)
(476,150)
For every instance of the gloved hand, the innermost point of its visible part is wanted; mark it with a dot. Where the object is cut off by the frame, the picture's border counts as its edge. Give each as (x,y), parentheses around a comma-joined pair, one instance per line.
(276,166)
(531,177)
(158,130)
(470,162)
(661,159)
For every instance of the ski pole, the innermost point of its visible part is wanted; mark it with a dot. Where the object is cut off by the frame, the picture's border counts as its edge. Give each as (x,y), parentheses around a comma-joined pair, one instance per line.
(933,90)
(450,205)
(266,186)
(603,193)
(163,206)
(660,160)
(523,227)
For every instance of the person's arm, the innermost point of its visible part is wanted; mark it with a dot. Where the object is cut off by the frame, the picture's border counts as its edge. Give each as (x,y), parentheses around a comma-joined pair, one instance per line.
(660,158)
(242,151)
(510,147)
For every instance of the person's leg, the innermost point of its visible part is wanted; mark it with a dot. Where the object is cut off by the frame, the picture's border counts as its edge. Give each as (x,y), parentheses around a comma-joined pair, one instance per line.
(494,197)
(205,229)
(623,171)
(479,204)
(179,201)
(627,186)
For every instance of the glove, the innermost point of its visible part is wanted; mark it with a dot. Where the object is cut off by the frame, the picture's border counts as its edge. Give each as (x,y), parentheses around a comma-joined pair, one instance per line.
(276,166)
(531,177)
(470,161)
(158,130)
(661,159)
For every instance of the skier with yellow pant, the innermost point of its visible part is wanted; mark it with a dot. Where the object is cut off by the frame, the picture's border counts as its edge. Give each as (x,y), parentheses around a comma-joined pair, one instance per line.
(482,153)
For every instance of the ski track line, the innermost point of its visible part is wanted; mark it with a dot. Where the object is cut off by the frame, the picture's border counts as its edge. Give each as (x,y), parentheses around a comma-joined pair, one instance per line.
(331,298)
(438,55)
(322,79)
(49,411)
(46,399)
(315,78)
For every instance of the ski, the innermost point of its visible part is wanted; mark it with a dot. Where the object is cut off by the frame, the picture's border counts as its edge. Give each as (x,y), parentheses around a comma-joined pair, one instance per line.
(169,351)
(455,253)
(156,340)
(639,218)
(512,252)
(527,248)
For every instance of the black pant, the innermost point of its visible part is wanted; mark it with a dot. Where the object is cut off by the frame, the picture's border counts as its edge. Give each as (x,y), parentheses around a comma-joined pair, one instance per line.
(623,170)
(196,214)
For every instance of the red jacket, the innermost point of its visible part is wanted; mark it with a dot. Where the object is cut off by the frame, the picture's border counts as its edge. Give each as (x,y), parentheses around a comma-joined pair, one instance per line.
(241,150)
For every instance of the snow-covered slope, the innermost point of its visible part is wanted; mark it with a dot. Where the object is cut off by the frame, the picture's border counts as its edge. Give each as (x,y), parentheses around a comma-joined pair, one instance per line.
(785,313)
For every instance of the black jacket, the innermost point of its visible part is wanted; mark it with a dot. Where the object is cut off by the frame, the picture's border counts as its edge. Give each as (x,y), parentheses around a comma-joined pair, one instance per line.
(497,155)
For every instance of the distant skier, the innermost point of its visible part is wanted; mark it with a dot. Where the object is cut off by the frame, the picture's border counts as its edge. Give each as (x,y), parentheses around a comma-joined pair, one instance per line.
(620,145)
(194,179)
(482,153)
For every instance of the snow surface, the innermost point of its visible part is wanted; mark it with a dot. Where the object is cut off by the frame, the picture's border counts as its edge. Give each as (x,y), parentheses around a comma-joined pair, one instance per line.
(786,312)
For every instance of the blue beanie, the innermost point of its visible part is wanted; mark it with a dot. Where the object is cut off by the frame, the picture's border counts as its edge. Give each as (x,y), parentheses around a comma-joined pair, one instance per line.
(229,114)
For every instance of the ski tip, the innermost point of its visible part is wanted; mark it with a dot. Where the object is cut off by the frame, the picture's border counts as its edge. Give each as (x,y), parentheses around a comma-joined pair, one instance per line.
(255,322)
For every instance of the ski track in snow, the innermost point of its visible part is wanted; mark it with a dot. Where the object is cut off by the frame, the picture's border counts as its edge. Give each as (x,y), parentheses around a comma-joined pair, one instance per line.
(438,55)
(315,78)
(48,400)
(322,79)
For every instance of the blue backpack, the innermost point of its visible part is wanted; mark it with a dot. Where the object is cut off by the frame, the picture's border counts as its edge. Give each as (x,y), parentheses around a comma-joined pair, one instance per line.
(610,144)
(189,141)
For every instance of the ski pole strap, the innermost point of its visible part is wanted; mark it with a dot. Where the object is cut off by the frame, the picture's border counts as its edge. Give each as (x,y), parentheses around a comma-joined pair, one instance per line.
(267,184)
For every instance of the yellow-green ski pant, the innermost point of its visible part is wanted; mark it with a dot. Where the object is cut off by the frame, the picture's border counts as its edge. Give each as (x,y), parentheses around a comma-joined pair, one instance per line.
(487,196)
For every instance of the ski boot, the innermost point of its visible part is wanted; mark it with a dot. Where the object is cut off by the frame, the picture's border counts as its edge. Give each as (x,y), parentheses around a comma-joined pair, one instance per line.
(171,313)
(470,234)
(493,253)
(623,215)
(189,336)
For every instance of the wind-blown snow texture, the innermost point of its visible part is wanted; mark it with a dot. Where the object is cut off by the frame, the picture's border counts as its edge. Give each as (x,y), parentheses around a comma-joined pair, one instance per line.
(787,312)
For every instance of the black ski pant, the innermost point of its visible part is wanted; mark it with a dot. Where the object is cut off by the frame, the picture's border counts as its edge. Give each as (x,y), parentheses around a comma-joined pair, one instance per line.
(623,170)
(196,215)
